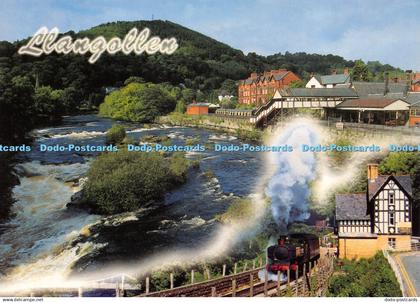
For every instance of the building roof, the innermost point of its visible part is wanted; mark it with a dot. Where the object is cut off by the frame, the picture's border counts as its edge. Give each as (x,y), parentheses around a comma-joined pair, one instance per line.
(334,79)
(199,104)
(366,89)
(403,180)
(277,75)
(351,206)
(319,92)
(413,98)
(367,103)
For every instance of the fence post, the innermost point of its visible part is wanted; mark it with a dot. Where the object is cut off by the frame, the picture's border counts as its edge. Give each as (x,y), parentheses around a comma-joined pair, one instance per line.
(265,282)
(235,268)
(253,264)
(278,283)
(224,270)
(208,273)
(251,285)
(288,278)
(261,261)
(233,287)
(213,292)
(171,278)
(192,276)
(147,285)
(245,266)
(297,281)
(79,292)
(303,278)
(117,290)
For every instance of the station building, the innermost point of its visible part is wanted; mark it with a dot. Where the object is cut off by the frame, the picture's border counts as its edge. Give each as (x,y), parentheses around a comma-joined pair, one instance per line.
(378,219)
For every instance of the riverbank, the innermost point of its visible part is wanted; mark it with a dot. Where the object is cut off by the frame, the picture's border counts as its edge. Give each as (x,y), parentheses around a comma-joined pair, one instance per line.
(243,129)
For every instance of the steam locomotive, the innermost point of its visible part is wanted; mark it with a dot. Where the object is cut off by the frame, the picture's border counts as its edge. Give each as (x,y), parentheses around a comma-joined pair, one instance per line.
(292,251)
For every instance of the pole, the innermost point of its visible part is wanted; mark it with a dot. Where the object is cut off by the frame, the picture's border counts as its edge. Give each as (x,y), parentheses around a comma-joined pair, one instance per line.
(265,282)
(171,278)
(192,276)
(251,285)
(117,290)
(235,268)
(245,266)
(80,292)
(297,281)
(234,288)
(253,264)
(278,283)
(147,285)
(224,270)
(213,292)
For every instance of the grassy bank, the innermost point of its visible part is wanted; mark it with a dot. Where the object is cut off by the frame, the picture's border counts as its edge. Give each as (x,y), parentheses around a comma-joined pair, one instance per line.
(241,128)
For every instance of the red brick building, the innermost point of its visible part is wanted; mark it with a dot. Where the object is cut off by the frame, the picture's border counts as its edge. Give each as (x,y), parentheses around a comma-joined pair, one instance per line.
(198,109)
(259,88)
(415,82)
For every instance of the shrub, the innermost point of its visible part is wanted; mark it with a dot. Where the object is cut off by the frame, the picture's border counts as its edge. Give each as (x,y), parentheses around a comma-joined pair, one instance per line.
(125,181)
(371,277)
(115,135)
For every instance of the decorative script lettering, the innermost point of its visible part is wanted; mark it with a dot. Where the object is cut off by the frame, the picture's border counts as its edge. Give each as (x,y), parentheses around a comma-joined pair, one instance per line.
(45,41)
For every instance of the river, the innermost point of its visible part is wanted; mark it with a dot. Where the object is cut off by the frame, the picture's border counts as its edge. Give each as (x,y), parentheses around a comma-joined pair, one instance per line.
(48,239)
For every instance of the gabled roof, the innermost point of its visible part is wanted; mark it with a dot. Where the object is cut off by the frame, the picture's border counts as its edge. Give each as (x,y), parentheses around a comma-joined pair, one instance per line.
(404,181)
(413,97)
(319,92)
(334,79)
(366,89)
(351,206)
(367,103)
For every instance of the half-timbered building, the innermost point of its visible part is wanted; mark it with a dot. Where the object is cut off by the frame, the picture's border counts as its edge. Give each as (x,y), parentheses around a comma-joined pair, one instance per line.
(377,219)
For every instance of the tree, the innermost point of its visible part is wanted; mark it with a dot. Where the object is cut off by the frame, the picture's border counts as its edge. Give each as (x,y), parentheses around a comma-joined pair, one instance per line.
(47,102)
(360,71)
(180,106)
(138,102)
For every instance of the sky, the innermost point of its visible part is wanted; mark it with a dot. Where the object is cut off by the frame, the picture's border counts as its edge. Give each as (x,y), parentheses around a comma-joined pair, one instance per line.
(383,30)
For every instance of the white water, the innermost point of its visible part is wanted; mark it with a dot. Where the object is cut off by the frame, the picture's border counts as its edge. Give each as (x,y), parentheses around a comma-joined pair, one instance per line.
(36,249)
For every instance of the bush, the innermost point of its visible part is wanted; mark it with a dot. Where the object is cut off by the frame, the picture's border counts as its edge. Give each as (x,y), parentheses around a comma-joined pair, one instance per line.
(239,210)
(115,135)
(125,181)
(365,278)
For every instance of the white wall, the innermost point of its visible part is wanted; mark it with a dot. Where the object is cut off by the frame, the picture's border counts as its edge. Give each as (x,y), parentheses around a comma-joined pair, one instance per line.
(313,82)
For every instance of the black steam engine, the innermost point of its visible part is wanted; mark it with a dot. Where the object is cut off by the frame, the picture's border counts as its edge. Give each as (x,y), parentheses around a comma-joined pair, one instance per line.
(291,252)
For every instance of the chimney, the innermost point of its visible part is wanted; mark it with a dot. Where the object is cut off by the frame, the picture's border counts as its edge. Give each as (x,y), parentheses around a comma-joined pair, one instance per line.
(372,172)
(253,75)
(346,71)
(334,71)
(386,83)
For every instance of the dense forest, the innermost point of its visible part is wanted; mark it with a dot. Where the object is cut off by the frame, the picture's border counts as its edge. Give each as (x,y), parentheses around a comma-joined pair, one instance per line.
(39,90)
(34,90)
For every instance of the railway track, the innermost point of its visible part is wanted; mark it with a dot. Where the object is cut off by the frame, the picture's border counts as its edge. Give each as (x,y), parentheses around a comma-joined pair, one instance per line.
(219,287)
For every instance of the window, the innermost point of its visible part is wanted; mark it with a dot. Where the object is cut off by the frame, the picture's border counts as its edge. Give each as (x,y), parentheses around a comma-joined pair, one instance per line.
(391,218)
(391,198)
(391,242)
